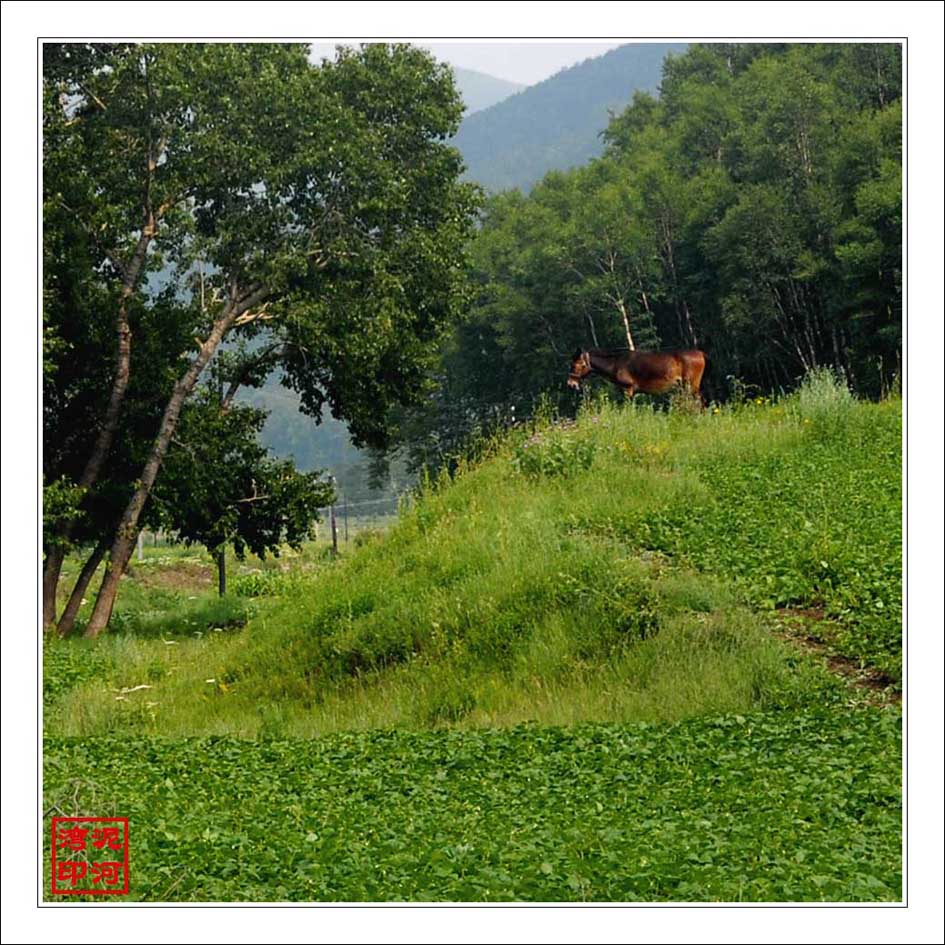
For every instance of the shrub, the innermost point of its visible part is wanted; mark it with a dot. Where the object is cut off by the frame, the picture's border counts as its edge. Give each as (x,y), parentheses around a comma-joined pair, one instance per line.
(69,663)
(683,401)
(555,451)
(824,401)
(184,617)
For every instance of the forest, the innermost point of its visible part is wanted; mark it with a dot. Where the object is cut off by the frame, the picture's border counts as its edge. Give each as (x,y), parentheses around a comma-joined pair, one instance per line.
(753,210)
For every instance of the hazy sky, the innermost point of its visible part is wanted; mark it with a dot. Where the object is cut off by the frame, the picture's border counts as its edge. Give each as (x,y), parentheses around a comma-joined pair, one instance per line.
(518,61)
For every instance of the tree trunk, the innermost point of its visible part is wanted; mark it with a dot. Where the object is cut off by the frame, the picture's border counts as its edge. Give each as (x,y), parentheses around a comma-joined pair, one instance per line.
(692,331)
(626,323)
(67,620)
(221,571)
(646,301)
(127,530)
(53,564)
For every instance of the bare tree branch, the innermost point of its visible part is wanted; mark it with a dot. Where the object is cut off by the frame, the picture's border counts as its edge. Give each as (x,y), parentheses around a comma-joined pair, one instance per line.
(261,314)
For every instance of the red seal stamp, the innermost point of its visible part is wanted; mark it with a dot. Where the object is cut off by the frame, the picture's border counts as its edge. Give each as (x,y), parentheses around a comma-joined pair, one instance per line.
(89,856)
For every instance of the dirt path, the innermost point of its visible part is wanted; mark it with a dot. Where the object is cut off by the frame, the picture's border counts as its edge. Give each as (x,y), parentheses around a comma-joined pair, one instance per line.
(808,629)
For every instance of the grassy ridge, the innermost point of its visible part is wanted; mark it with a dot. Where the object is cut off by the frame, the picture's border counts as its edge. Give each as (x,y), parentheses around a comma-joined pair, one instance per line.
(792,806)
(620,569)
(616,580)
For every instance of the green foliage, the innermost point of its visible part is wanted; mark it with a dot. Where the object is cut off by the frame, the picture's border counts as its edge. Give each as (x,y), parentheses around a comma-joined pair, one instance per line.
(809,515)
(338,256)
(61,503)
(268,583)
(554,451)
(640,588)
(181,617)
(357,231)
(67,665)
(499,597)
(220,488)
(825,401)
(752,210)
(801,807)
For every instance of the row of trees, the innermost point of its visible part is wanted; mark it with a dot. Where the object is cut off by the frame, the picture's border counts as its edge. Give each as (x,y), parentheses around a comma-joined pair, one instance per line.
(213,213)
(752,210)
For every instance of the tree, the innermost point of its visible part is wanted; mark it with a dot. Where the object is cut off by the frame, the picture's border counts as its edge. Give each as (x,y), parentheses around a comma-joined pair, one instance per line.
(869,244)
(219,487)
(610,250)
(321,205)
(105,136)
(76,382)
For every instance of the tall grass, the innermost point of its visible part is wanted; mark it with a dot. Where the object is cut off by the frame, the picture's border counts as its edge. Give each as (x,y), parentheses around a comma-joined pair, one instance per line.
(616,569)
(825,400)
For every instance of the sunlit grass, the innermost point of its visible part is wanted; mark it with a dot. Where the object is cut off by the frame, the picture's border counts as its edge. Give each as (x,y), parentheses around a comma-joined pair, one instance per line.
(632,588)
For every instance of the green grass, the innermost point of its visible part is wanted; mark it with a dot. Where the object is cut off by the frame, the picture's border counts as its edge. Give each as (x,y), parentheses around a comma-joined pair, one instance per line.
(634,586)
(793,806)
(797,508)
(604,587)
(173,590)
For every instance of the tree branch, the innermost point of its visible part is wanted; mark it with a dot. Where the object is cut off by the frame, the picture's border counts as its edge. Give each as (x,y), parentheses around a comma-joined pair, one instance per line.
(237,382)
(260,314)
(106,252)
(90,94)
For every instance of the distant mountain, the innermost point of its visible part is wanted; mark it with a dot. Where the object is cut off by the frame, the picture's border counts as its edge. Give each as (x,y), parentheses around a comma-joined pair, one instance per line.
(480,90)
(326,446)
(556,124)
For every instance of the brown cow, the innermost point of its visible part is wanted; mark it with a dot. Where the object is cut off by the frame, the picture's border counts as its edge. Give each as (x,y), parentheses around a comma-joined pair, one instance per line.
(652,372)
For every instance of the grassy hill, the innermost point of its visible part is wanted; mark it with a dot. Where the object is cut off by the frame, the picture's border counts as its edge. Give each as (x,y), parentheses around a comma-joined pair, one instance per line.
(555,124)
(647,655)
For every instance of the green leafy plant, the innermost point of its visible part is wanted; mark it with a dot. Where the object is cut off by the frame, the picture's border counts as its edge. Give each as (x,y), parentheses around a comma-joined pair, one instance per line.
(554,451)
(259,583)
(824,401)
(791,806)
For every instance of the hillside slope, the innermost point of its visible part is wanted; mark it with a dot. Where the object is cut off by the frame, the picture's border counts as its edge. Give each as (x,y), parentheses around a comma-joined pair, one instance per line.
(556,124)
(567,675)
(631,567)
(480,90)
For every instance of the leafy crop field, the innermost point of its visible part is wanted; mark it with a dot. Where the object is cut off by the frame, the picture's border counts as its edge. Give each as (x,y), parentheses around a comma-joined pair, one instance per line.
(796,806)
(562,674)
